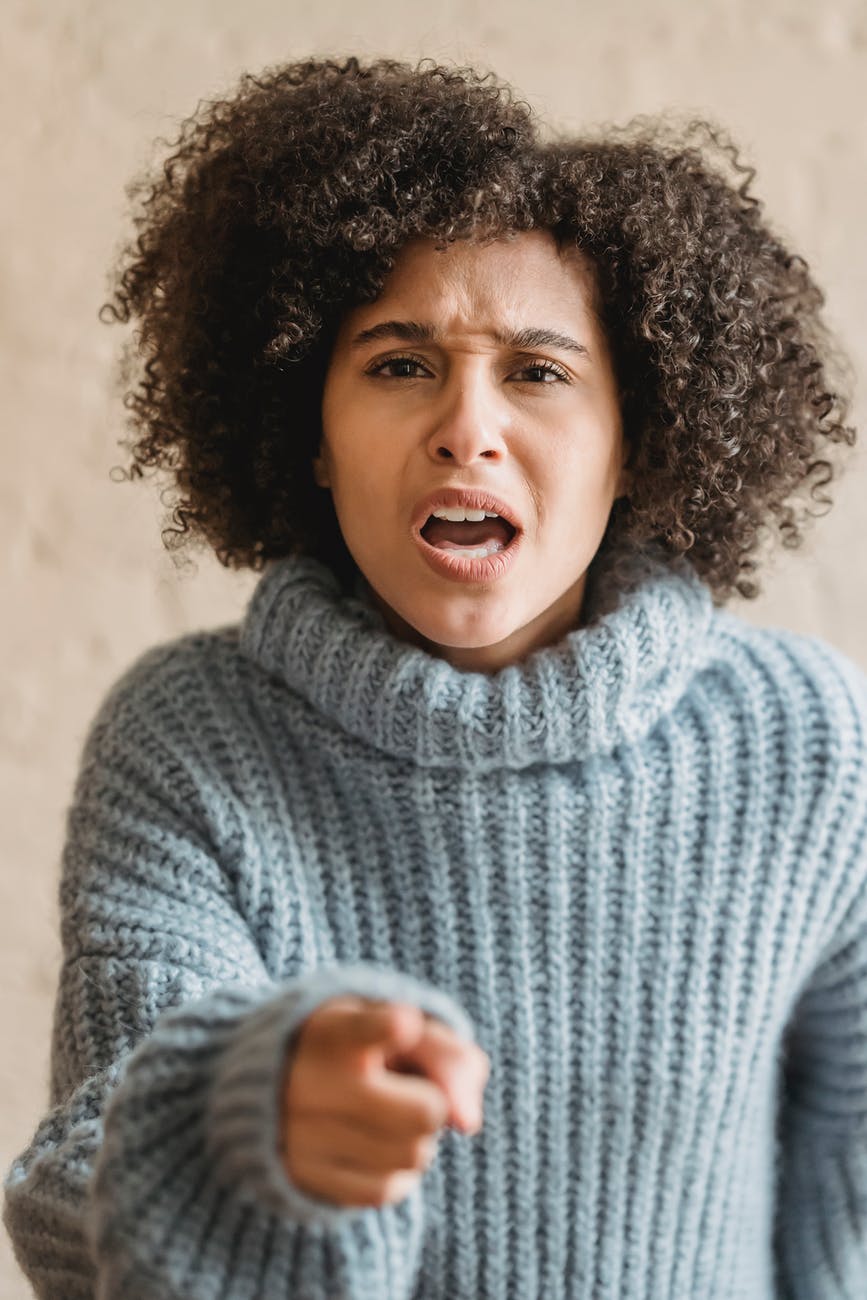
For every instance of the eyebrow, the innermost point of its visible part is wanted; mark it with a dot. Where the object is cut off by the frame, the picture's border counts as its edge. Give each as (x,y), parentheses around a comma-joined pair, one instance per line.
(523,340)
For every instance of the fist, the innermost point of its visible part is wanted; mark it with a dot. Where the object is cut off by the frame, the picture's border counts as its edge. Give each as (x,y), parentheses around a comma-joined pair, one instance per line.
(366,1090)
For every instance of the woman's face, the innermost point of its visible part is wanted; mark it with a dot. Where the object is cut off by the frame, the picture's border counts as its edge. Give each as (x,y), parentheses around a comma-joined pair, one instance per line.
(430,387)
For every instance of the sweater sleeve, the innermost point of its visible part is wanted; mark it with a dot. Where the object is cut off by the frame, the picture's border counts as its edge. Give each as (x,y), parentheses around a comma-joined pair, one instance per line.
(821,1225)
(821,1231)
(155,1174)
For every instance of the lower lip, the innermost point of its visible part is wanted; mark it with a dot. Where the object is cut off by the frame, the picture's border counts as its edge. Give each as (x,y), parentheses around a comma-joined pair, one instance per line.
(451,564)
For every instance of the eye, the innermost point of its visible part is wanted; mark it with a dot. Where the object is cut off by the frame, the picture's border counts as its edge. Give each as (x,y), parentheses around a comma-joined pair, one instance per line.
(547,368)
(540,369)
(379,367)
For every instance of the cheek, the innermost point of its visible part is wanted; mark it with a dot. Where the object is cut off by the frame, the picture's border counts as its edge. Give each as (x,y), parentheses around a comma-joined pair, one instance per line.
(356,436)
(584,474)
(363,488)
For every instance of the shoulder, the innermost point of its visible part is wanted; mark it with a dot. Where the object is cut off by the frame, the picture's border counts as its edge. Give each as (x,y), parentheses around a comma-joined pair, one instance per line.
(798,684)
(166,694)
(172,671)
(169,741)
(801,706)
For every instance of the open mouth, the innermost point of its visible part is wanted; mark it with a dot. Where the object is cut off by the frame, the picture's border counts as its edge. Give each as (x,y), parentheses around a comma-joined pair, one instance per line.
(474,539)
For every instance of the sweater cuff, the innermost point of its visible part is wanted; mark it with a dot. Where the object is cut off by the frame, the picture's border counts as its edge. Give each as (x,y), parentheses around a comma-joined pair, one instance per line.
(243,1107)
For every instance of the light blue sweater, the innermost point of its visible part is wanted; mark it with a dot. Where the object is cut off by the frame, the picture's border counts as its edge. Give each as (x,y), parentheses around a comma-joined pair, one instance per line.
(632,867)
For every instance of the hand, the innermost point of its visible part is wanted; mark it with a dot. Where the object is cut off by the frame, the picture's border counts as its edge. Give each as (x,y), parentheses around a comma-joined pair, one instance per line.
(368,1087)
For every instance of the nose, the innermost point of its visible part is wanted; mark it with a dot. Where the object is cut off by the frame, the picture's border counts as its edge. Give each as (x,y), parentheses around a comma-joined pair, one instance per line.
(470,425)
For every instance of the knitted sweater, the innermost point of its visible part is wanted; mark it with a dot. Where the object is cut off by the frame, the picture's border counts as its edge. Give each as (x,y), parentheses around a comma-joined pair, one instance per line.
(632,867)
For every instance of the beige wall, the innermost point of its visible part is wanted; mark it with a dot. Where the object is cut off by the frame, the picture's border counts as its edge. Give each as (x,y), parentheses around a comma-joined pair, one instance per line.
(87,86)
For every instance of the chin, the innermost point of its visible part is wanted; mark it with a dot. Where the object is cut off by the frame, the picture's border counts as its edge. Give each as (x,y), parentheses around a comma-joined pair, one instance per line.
(474,631)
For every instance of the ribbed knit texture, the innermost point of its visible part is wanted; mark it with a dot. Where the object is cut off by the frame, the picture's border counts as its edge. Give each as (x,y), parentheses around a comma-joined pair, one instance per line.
(632,867)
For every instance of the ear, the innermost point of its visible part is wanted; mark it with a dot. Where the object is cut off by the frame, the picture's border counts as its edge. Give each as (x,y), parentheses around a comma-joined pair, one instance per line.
(624,479)
(320,472)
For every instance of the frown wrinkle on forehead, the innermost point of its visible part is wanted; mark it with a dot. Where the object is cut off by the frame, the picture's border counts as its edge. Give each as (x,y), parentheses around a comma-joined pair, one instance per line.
(523,339)
(520,293)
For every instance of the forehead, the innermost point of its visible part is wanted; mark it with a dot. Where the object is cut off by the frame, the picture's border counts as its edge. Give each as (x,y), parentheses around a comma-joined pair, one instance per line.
(471,285)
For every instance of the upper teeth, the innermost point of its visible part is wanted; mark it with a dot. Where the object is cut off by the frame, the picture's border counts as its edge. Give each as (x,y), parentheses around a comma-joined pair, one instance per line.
(458,514)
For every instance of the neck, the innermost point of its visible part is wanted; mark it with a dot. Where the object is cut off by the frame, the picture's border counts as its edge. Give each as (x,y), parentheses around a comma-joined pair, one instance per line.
(546,629)
(641,640)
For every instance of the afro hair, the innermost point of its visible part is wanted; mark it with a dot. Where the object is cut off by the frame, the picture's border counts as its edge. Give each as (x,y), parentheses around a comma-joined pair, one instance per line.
(283,206)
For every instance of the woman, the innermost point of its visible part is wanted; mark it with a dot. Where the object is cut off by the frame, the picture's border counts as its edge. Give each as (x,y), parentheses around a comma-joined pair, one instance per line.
(486,914)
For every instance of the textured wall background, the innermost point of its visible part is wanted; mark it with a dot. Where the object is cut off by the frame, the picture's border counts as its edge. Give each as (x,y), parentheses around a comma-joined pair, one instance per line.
(86,88)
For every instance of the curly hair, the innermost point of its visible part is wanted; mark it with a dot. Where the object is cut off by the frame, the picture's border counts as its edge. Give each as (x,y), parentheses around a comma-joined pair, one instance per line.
(282,207)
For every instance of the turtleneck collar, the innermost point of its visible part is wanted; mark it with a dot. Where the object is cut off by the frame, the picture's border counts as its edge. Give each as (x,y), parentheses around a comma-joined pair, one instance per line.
(608,681)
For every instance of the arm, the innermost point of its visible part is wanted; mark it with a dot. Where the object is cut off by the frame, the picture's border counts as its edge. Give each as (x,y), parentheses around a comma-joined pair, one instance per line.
(156,1172)
(820,1239)
(821,1229)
